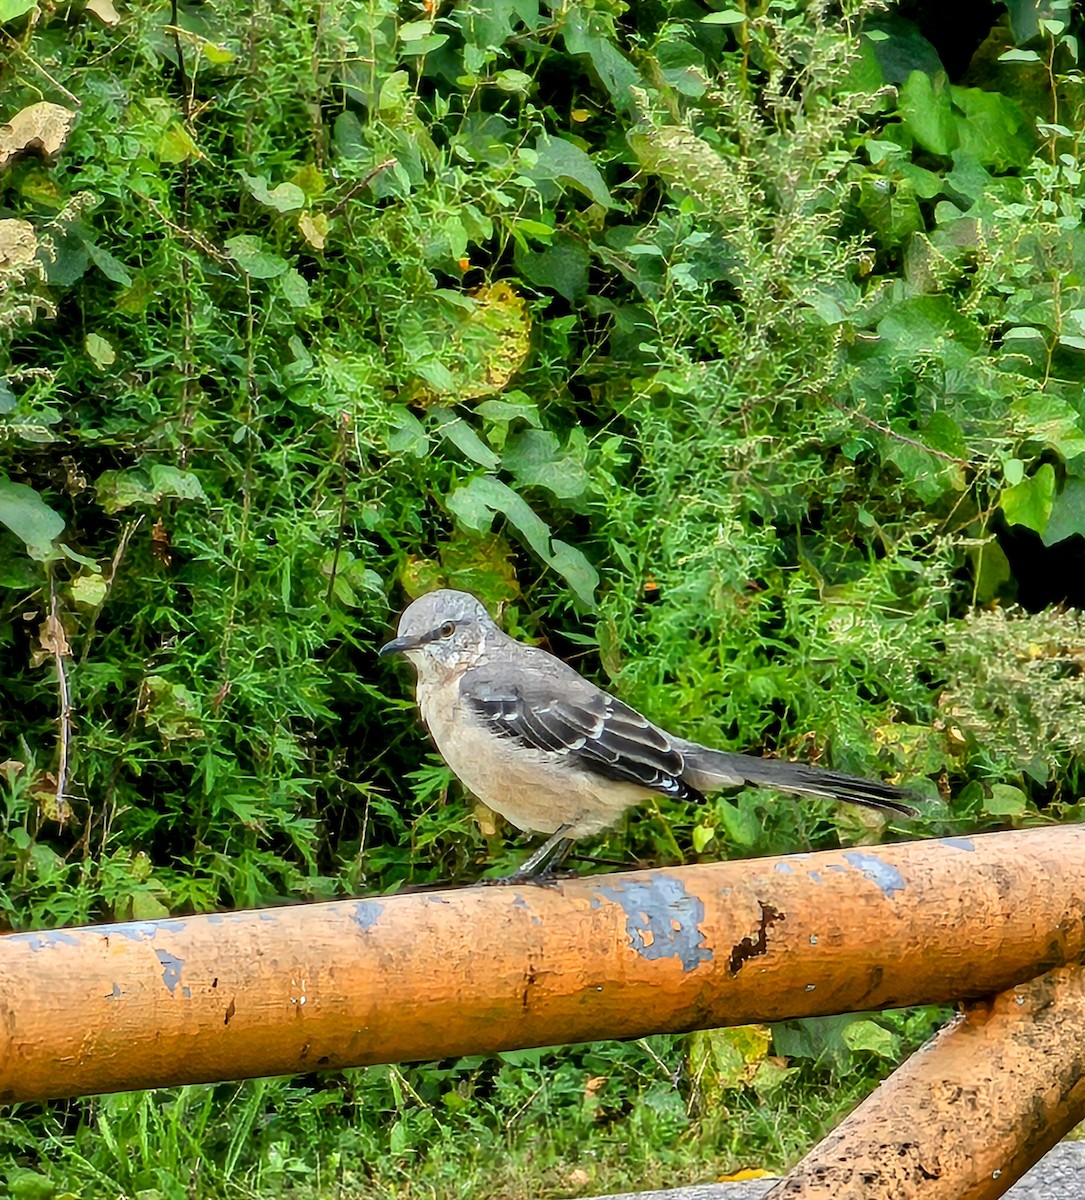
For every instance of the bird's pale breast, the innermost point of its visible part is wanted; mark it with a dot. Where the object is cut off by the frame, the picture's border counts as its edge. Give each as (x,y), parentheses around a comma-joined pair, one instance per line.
(534,790)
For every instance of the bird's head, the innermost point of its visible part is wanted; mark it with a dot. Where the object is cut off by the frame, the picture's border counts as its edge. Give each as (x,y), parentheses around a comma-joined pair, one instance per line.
(441,632)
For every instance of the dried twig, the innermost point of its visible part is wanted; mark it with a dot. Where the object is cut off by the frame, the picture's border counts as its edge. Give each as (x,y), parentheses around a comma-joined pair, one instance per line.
(118,554)
(14,44)
(360,186)
(201,243)
(57,645)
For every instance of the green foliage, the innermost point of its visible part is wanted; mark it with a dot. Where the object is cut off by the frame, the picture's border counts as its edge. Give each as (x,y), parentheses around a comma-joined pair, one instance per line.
(734,352)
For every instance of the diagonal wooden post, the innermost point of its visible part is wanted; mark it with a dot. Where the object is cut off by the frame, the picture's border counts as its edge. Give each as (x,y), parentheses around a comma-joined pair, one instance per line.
(967,1115)
(475,970)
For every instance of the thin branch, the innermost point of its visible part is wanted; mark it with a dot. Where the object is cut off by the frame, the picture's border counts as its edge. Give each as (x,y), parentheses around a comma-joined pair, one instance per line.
(361,185)
(201,243)
(58,646)
(69,96)
(900,437)
(118,554)
(182,73)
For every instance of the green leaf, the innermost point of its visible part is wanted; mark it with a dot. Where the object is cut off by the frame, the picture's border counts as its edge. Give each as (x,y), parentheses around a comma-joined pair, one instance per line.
(1067,513)
(456,430)
(476,503)
(1005,801)
(32,521)
(586,33)
(925,109)
(286,197)
(575,568)
(995,131)
(741,819)
(518,82)
(503,412)
(407,434)
(729,16)
(113,269)
(873,1038)
(1030,502)
(101,351)
(10,9)
(931,325)
(175,145)
(1051,421)
(562,266)
(535,458)
(702,835)
(30,1185)
(294,288)
(251,256)
(564,162)
(122,489)
(89,590)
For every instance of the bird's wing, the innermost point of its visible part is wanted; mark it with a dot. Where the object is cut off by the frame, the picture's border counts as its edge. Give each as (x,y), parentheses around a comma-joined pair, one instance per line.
(545,705)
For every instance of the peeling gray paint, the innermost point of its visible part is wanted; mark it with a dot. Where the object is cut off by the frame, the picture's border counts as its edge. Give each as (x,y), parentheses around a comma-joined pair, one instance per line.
(367,913)
(171,968)
(885,875)
(661,918)
(959,843)
(815,876)
(139,931)
(782,868)
(44,939)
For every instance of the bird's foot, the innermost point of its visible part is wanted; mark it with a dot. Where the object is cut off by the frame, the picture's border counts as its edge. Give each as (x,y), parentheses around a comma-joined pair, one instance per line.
(537,878)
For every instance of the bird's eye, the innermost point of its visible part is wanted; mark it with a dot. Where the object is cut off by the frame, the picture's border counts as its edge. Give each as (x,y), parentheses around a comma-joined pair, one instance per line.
(448,629)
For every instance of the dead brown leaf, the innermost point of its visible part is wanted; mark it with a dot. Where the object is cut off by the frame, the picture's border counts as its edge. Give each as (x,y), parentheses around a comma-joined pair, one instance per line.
(52,641)
(41,128)
(314,228)
(18,245)
(104,11)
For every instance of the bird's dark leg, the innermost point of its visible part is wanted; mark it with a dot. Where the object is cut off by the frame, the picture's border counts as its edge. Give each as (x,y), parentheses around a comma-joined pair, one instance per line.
(540,867)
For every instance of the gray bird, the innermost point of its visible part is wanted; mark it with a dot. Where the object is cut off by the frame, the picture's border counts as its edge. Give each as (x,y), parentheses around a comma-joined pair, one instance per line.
(554,754)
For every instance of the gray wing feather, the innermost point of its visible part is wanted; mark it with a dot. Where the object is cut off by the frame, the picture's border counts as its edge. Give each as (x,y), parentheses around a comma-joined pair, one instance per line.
(569,716)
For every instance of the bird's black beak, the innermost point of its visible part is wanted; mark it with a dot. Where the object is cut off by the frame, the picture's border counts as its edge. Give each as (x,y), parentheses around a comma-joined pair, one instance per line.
(397,646)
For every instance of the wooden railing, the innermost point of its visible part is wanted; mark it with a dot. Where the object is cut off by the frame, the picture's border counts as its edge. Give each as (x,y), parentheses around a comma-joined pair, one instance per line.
(996,920)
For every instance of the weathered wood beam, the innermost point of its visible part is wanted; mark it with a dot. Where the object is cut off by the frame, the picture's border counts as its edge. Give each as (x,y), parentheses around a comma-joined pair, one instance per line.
(966,1116)
(475,970)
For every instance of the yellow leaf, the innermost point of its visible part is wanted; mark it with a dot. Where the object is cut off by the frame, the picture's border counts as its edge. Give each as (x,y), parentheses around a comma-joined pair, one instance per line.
(216,55)
(478,345)
(176,145)
(486,820)
(311,181)
(745,1173)
(314,228)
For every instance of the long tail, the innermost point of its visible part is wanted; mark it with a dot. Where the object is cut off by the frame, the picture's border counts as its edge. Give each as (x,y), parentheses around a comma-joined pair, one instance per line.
(708,770)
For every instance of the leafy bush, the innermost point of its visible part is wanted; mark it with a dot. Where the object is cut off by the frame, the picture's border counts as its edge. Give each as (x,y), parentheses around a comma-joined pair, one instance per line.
(737,353)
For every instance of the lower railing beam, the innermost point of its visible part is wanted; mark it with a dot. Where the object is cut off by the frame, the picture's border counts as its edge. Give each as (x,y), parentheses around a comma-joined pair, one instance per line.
(968,1114)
